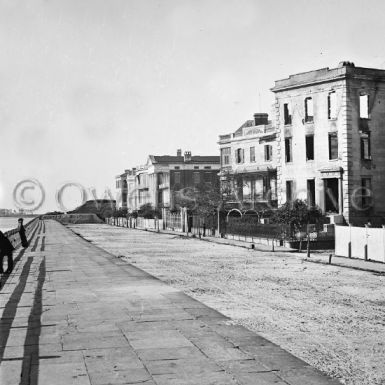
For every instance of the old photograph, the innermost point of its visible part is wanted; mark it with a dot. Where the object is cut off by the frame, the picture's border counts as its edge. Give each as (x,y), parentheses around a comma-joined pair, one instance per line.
(192,192)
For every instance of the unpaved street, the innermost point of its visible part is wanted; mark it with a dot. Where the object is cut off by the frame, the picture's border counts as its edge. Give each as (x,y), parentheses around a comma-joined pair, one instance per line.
(331,317)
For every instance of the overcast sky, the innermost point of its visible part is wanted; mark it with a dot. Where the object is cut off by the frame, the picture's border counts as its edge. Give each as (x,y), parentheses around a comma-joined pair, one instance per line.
(89,88)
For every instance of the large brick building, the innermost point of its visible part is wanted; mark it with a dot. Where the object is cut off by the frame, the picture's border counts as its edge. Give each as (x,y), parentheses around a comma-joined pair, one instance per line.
(163,176)
(330,126)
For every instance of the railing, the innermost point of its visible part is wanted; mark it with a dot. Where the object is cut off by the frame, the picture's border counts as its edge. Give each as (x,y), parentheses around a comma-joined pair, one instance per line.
(133,223)
(13,235)
(247,229)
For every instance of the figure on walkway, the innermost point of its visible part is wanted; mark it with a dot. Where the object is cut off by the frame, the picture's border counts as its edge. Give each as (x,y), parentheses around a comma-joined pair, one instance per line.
(6,250)
(23,238)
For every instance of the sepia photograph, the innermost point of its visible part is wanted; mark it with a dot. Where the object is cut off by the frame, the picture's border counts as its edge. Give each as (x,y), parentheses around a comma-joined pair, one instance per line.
(192,192)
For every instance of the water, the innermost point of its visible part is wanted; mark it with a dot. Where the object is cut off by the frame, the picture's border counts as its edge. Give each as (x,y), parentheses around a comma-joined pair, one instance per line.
(9,223)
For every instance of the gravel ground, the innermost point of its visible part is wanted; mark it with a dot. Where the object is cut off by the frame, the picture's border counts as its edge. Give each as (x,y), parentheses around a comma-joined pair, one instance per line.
(331,317)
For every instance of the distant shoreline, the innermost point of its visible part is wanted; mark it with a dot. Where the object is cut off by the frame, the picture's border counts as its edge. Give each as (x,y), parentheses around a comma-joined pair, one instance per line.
(20,216)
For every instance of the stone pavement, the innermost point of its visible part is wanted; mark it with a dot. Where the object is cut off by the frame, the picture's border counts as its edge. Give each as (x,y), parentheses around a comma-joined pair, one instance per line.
(72,313)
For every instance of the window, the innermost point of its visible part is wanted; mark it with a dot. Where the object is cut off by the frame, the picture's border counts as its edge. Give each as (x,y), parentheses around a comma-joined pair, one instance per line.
(240,152)
(289,190)
(288,153)
(332,105)
(177,177)
(207,177)
(309,113)
(225,155)
(309,147)
(268,152)
(365,147)
(333,145)
(311,192)
(366,184)
(252,154)
(207,167)
(364,106)
(287,113)
(196,167)
(196,178)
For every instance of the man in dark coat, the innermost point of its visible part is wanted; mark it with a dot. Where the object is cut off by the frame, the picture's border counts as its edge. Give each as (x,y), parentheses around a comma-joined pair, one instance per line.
(6,249)
(23,238)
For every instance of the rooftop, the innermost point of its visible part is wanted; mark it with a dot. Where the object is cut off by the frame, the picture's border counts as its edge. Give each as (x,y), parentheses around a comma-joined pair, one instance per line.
(165,159)
(344,70)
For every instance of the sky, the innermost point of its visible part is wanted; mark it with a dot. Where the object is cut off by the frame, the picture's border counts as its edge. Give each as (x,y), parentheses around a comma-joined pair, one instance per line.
(89,88)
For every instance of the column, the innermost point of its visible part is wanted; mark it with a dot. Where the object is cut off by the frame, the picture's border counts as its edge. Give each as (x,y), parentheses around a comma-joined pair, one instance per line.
(340,196)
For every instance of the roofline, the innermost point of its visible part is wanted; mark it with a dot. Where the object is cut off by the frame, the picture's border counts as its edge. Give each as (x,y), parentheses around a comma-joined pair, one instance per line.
(326,75)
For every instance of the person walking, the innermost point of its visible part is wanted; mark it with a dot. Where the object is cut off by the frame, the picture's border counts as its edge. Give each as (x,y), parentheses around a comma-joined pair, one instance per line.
(6,250)
(23,238)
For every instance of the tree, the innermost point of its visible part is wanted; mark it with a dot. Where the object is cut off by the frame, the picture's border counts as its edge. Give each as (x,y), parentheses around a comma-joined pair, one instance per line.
(297,215)
(121,212)
(202,200)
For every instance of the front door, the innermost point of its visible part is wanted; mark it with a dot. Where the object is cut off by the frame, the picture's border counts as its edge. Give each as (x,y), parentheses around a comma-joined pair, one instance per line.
(331,195)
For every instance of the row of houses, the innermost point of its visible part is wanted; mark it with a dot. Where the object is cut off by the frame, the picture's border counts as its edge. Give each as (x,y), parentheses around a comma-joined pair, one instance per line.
(324,142)
(158,181)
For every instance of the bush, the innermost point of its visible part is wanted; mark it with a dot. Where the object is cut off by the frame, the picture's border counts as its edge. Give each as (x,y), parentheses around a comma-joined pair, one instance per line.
(297,215)
(148,212)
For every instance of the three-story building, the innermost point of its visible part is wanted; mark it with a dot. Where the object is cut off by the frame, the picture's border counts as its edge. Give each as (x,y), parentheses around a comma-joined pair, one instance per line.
(331,140)
(248,165)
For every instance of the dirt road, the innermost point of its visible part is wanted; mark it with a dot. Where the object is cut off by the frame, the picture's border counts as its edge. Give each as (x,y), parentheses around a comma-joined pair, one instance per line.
(331,317)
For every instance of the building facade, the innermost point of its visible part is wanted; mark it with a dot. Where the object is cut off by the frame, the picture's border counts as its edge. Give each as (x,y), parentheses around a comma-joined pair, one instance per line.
(248,165)
(125,189)
(162,177)
(331,141)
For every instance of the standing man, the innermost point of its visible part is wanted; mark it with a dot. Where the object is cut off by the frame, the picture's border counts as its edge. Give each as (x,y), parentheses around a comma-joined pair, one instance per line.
(6,249)
(21,229)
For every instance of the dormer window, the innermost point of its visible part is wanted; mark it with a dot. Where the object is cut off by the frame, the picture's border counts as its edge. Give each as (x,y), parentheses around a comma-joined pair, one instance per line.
(309,112)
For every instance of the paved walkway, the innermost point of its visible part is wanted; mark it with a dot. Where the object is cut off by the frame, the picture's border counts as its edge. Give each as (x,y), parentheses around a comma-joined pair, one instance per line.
(73,314)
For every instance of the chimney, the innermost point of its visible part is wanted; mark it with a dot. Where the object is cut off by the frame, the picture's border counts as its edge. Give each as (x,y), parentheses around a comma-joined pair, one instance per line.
(187,156)
(179,152)
(346,64)
(260,118)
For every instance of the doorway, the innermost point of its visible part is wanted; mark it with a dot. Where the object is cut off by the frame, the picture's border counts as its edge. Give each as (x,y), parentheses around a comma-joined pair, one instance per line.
(331,195)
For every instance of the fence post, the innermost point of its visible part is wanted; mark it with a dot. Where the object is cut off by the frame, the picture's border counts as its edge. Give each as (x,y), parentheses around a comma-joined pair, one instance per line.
(366,243)
(350,241)
(383,242)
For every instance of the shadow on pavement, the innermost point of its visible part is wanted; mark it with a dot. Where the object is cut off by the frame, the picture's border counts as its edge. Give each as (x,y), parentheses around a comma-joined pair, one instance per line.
(11,306)
(31,343)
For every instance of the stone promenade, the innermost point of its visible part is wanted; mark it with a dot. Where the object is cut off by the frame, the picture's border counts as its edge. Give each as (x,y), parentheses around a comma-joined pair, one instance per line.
(73,314)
